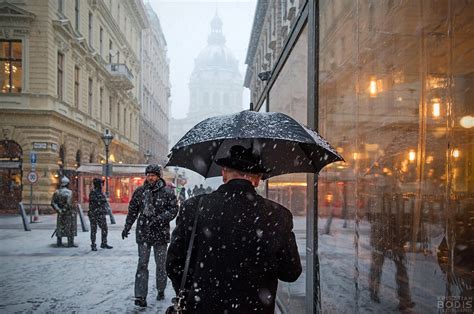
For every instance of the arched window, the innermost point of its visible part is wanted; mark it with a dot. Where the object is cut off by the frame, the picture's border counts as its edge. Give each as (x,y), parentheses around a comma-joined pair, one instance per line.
(78,158)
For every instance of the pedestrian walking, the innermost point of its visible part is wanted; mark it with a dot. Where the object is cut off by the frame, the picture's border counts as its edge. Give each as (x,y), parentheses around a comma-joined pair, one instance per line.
(190,193)
(195,190)
(201,189)
(390,230)
(153,205)
(66,221)
(243,243)
(97,214)
(182,195)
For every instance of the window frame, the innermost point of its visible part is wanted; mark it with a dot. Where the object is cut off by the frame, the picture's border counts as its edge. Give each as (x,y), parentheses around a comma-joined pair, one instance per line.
(10,60)
(60,76)
(77,85)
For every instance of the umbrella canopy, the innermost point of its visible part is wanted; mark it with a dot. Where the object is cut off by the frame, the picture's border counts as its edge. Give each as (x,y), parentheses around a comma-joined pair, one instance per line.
(285,145)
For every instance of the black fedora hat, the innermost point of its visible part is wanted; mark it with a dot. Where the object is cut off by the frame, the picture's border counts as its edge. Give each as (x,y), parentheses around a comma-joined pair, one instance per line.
(242,159)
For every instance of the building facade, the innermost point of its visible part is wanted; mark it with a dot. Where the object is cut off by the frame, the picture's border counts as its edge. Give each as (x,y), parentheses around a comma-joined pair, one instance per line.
(155,104)
(386,82)
(71,70)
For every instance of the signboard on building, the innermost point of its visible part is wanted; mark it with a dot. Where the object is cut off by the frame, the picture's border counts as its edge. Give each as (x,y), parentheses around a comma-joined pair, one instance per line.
(40,145)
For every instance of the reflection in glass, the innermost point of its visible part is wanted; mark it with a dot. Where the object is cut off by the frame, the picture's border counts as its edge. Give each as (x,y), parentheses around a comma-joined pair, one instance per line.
(396,219)
(289,95)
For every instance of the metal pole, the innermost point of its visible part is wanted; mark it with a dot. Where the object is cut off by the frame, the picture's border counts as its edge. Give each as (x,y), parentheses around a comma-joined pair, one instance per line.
(107,171)
(31,203)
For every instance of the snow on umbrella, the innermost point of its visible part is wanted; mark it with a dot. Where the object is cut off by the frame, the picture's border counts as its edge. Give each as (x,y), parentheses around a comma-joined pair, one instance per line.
(285,145)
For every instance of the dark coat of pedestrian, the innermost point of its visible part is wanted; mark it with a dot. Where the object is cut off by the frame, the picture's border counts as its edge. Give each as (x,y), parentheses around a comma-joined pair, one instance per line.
(390,231)
(97,214)
(195,190)
(244,244)
(201,190)
(66,222)
(182,195)
(153,206)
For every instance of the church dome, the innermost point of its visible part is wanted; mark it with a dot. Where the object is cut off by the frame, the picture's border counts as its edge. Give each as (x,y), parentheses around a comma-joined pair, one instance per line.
(216,54)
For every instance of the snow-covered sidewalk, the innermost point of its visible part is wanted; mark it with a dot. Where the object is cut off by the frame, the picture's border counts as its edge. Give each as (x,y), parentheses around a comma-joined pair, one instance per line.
(36,276)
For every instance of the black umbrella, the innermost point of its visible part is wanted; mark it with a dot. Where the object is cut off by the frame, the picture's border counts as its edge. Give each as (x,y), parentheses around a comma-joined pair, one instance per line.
(285,145)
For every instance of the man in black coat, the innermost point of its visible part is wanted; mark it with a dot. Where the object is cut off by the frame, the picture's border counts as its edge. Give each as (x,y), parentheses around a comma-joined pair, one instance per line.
(155,206)
(244,243)
(97,214)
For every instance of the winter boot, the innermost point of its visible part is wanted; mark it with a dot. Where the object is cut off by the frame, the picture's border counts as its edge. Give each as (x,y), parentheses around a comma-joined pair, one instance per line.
(105,246)
(93,247)
(70,242)
(160,296)
(59,242)
(140,302)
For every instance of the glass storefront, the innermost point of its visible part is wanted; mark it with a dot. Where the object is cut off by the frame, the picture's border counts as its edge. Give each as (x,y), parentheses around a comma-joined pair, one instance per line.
(395,221)
(289,95)
(396,99)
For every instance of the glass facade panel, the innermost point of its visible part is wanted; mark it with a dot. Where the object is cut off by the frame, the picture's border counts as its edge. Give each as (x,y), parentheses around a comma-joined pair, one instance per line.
(289,95)
(395,220)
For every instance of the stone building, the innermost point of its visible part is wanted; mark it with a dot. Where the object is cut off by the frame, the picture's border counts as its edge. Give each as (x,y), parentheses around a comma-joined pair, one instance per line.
(71,70)
(155,104)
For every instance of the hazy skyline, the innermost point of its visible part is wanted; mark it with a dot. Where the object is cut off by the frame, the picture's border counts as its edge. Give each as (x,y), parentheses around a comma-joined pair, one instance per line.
(186,25)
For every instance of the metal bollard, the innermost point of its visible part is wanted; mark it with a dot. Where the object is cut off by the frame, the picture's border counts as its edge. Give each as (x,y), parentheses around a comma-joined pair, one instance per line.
(24,217)
(83,220)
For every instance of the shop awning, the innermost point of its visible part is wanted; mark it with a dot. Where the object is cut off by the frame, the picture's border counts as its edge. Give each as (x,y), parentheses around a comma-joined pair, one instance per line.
(10,164)
(118,170)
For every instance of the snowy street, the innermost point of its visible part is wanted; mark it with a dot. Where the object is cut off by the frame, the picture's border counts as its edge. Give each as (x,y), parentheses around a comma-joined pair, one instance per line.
(37,276)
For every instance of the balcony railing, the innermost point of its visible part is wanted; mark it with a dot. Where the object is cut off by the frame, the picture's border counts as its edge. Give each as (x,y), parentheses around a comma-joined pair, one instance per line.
(121,76)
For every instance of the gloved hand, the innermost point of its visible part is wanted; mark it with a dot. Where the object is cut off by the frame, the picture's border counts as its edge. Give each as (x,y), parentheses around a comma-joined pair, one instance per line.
(125,234)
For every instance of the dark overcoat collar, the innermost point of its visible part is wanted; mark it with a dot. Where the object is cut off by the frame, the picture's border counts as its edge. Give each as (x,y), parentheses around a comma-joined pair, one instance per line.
(237,185)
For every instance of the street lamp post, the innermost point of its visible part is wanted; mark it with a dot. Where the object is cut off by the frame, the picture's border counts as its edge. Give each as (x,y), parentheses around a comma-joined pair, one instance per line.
(107,138)
(147,155)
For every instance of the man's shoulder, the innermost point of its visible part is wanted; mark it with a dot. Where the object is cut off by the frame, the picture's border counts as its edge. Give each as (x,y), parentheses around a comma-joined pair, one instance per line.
(139,189)
(277,208)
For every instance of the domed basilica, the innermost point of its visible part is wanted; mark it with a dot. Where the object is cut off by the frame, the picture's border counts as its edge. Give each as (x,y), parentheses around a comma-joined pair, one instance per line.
(215,85)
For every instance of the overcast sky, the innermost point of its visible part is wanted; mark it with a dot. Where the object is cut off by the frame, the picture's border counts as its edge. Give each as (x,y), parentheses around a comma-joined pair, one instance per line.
(186,25)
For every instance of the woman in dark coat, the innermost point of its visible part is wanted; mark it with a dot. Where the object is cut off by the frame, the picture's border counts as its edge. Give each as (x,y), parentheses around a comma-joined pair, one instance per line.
(244,243)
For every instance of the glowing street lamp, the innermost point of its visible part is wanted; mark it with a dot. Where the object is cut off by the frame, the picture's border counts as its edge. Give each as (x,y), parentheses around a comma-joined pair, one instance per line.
(456,153)
(436,109)
(411,155)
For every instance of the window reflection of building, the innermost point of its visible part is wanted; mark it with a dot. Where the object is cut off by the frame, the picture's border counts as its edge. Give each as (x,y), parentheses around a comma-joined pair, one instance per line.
(393,96)
(400,98)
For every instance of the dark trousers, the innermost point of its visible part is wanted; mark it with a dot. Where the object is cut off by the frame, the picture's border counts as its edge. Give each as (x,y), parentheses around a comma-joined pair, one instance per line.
(401,278)
(102,222)
(141,277)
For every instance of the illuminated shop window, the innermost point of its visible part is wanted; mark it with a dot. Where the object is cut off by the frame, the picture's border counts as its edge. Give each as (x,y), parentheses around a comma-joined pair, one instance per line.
(11,65)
